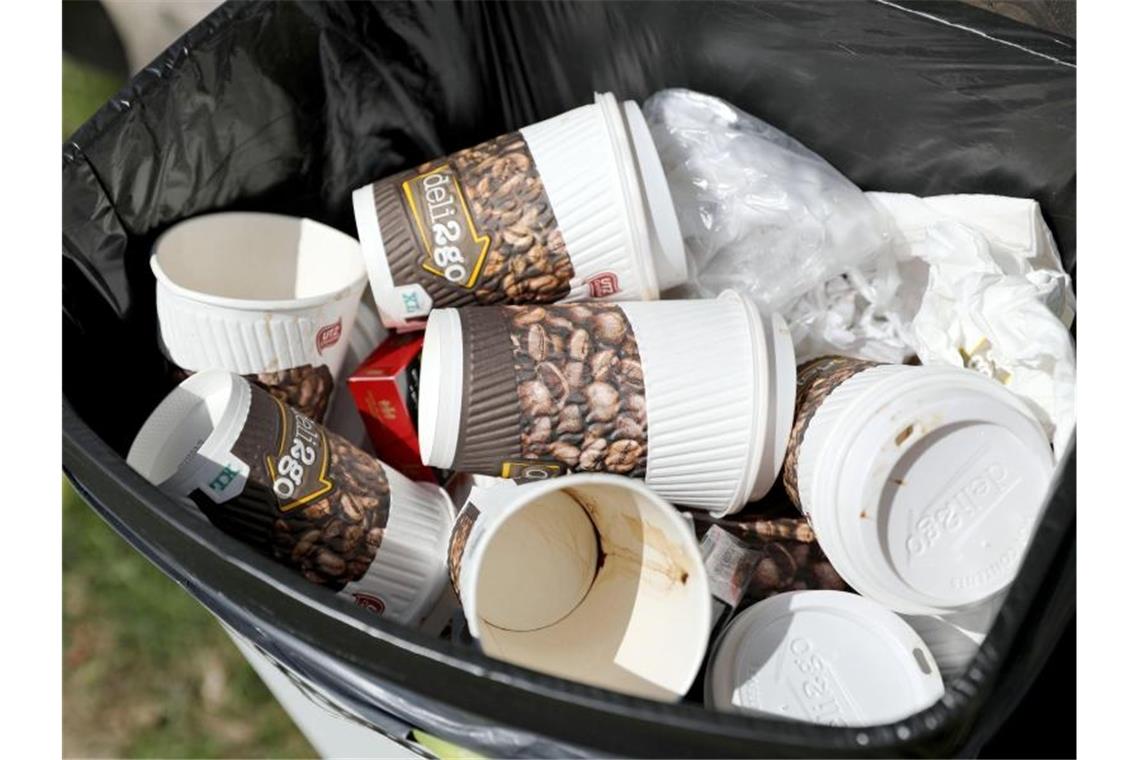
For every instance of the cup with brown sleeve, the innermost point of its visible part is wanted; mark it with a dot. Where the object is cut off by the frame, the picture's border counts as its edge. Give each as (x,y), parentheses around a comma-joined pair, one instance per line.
(275,479)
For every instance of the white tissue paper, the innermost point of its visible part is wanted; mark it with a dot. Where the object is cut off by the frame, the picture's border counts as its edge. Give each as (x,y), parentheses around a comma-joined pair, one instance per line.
(758,210)
(967,280)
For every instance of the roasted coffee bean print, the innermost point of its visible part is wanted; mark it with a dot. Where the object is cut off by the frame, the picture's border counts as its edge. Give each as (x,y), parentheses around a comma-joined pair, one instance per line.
(306,388)
(334,540)
(458,542)
(330,535)
(581,387)
(527,260)
(790,558)
(815,380)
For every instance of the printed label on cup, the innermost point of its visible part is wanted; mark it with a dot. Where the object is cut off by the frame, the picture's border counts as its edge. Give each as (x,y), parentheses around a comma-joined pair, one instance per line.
(815,380)
(310,499)
(475,227)
(328,336)
(455,249)
(576,396)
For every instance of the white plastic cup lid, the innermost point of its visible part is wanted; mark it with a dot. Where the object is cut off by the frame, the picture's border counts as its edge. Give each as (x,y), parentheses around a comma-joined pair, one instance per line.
(666,242)
(825,657)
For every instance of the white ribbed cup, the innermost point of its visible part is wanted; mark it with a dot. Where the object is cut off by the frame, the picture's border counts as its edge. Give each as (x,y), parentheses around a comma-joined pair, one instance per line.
(251,292)
(409,573)
(924,485)
(719,394)
(606,186)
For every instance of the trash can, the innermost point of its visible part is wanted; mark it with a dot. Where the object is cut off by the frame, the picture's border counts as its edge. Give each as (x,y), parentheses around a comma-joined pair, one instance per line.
(286,107)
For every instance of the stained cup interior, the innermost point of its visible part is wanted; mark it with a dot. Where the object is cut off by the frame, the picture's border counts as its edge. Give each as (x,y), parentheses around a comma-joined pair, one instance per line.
(599,583)
(257,257)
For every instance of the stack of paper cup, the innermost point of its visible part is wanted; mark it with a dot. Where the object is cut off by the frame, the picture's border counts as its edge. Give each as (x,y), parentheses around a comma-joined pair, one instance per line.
(923,484)
(589,577)
(826,657)
(570,208)
(266,296)
(268,475)
(696,397)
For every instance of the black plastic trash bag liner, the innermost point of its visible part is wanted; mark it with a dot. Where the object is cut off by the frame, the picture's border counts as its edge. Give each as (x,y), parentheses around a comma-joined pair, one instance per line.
(288,107)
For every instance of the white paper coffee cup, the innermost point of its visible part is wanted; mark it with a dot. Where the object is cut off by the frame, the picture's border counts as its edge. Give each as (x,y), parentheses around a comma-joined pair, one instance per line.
(699,400)
(825,657)
(923,484)
(267,296)
(264,473)
(569,208)
(588,577)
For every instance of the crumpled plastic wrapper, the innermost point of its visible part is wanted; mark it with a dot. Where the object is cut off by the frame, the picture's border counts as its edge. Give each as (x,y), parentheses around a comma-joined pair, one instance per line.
(758,211)
(968,280)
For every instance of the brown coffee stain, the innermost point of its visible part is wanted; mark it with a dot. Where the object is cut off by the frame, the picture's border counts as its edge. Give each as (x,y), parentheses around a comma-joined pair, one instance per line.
(898,481)
(674,568)
(904,434)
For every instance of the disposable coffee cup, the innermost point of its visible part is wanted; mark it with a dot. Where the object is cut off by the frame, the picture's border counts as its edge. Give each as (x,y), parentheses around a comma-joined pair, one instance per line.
(923,484)
(826,657)
(593,578)
(695,397)
(270,297)
(266,474)
(570,208)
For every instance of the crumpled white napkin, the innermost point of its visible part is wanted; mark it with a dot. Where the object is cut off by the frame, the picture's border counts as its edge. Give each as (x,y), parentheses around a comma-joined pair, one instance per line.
(966,280)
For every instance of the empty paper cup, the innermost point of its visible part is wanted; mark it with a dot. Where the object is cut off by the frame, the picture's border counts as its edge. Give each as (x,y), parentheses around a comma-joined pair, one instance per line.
(268,475)
(266,296)
(825,657)
(589,577)
(923,484)
(696,397)
(573,207)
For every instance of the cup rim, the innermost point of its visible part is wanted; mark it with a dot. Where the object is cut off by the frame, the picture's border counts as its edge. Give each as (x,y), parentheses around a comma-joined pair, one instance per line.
(219,442)
(526,494)
(250,304)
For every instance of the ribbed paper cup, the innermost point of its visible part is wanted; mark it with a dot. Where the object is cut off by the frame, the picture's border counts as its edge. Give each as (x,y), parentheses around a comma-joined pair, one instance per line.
(590,577)
(572,207)
(268,475)
(923,484)
(266,296)
(695,397)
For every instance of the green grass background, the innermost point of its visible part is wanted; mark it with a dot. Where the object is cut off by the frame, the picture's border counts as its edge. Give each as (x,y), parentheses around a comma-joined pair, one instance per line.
(147,671)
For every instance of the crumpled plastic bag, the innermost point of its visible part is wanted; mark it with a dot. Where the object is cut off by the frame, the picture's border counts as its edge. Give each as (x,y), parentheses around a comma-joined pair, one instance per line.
(967,280)
(758,211)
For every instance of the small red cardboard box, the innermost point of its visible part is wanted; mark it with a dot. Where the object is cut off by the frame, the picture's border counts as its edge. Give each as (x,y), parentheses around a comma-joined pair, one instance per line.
(384,387)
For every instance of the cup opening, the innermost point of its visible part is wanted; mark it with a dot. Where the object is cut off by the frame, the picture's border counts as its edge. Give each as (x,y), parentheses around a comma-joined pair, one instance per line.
(235,258)
(196,417)
(621,598)
(539,565)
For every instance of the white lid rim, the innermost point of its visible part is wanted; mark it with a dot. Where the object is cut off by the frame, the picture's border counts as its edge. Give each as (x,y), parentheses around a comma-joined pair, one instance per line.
(640,247)
(667,244)
(441,388)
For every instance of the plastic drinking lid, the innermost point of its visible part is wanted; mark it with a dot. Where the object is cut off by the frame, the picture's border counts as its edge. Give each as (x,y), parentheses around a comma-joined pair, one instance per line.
(664,229)
(826,657)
